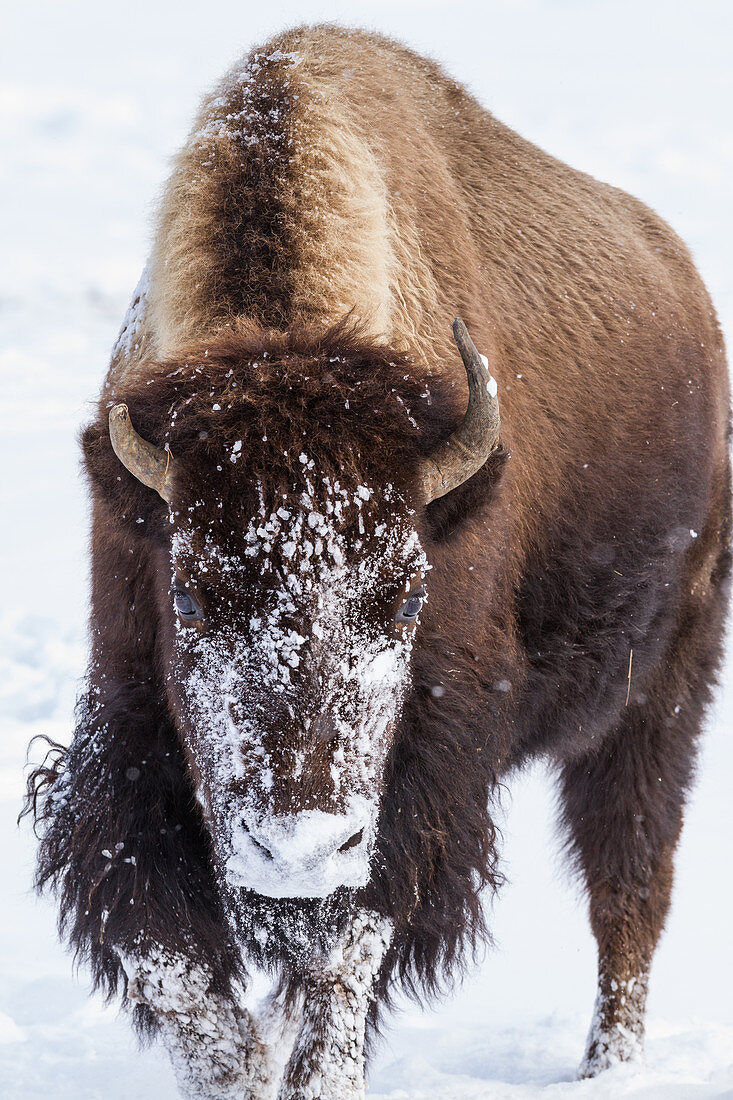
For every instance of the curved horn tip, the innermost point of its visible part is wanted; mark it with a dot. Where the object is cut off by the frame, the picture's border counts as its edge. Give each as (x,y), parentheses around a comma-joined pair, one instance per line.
(464,452)
(119,412)
(472,358)
(460,332)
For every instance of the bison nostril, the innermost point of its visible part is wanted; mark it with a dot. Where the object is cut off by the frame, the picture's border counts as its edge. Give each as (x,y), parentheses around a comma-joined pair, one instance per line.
(265,851)
(352,841)
(260,847)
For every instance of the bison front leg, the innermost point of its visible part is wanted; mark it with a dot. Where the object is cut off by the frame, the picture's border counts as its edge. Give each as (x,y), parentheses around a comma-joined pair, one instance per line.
(327,1062)
(213,1043)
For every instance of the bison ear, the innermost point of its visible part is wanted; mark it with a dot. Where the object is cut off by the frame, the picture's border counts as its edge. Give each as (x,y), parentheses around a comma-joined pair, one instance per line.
(447,515)
(126,500)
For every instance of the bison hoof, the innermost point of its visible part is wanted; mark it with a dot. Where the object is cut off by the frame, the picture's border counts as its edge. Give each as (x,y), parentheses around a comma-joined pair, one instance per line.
(609,1049)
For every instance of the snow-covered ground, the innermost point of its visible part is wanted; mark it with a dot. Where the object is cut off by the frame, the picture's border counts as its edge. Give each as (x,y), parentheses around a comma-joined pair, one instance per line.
(93,99)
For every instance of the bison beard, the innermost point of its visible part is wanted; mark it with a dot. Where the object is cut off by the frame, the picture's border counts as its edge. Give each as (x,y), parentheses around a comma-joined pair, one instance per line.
(296,478)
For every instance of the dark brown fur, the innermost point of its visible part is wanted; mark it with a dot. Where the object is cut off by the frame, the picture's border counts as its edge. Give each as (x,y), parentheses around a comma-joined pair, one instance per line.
(573,613)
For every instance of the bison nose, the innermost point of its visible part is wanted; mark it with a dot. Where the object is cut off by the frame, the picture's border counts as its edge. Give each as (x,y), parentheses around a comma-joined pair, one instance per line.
(352,842)
(310,837)
(309,854)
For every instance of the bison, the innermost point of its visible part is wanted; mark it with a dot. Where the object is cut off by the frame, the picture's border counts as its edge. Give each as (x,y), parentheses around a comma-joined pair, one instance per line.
(337,600)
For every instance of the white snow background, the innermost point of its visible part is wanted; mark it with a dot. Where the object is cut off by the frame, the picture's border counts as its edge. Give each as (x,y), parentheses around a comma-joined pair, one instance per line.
(93,100)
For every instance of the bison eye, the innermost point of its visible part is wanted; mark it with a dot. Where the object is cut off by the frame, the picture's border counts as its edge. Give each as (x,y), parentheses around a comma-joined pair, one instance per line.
(412,607)
(186,606)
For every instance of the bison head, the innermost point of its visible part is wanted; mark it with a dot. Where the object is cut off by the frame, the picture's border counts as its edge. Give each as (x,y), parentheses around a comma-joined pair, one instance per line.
(290,578)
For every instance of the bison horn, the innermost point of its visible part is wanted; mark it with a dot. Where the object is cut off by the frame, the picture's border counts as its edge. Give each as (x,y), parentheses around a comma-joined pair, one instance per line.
(465,451)
(150,464)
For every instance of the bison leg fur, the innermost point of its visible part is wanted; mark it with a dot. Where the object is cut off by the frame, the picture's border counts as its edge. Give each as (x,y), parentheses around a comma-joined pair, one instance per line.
(327,1062)
(622,808)
(214,1044)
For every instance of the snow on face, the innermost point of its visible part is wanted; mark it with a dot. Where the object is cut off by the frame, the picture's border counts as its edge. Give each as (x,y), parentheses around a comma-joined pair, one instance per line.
(292,686)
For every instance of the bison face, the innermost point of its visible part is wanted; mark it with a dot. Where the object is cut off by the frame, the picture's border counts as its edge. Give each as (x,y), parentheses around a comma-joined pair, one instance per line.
(291,586)
(289,662)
